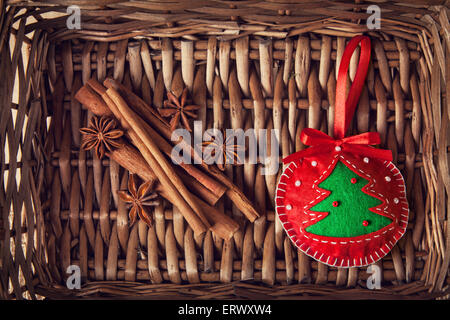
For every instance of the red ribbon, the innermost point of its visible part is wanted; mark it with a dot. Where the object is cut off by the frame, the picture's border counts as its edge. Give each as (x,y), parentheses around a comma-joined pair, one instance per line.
(344,110)
(322,143)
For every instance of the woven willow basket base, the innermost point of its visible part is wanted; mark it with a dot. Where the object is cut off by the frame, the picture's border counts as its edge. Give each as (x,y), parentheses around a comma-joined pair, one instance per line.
(235,55)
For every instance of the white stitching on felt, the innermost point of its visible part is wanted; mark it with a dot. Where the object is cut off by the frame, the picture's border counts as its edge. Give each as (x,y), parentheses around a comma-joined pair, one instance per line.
(400,232)
(314,186)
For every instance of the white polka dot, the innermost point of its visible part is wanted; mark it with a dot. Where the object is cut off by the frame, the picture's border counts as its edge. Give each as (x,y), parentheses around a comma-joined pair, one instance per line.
(288,207)
(314,163)
(387,178)
(366,160)
(396,200)
(338,148)
(298,183)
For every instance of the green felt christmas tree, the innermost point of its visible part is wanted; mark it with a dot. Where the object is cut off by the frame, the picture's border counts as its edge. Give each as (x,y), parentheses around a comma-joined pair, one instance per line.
(347,206)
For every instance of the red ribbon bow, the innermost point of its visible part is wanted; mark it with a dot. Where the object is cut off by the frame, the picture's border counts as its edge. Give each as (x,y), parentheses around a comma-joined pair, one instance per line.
(322,143)
(344,110)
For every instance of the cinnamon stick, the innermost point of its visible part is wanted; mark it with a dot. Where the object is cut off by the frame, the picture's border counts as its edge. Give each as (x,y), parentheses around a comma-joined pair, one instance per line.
(152,117)
(88,97)
(197,221)
(128,157)
(193,184)
(85,95)
(161,167)
(166,188)
(131,159)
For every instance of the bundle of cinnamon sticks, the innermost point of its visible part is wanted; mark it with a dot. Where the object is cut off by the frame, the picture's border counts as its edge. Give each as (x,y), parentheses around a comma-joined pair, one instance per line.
(146,151)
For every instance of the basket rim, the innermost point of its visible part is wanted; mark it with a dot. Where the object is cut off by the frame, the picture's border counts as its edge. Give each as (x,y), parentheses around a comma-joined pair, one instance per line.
(426,33)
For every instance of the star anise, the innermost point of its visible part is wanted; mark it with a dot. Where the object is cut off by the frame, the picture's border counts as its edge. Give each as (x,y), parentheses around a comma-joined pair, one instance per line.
(139,198)
(176,109)
(222,149)
(102,135)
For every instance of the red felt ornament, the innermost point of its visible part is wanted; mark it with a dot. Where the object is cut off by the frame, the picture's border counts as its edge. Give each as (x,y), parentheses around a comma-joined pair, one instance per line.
(342,201)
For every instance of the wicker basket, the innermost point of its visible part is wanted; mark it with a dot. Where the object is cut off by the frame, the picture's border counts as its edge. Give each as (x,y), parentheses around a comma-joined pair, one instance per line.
(247,44)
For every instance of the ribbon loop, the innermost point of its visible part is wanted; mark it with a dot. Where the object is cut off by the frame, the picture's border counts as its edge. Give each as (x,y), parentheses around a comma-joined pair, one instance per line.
(359,144)
(345,106)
